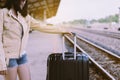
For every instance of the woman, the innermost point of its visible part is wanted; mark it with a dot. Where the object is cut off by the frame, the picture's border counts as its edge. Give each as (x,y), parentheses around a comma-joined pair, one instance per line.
(15,24)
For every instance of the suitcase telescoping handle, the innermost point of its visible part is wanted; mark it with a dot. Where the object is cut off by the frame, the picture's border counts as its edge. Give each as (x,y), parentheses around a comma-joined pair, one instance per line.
(63,48)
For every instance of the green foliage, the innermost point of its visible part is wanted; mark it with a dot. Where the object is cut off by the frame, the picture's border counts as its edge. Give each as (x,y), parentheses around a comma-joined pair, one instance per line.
(81,21)
(112,18)
(108,19)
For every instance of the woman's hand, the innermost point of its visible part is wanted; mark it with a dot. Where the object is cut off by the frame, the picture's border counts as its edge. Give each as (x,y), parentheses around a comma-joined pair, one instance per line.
(69,33)
(4,72)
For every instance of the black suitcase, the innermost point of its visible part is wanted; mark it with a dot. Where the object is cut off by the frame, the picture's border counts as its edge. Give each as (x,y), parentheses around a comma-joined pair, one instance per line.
(68,66)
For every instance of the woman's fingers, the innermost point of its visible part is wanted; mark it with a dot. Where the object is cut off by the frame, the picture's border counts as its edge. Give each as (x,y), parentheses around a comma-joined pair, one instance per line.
(4,72)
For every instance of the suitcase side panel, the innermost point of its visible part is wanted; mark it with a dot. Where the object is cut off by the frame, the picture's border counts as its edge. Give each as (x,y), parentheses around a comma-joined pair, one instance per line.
(53,67)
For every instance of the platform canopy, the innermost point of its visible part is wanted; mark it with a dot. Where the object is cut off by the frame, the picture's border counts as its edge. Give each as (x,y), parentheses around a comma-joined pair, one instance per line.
(41,9)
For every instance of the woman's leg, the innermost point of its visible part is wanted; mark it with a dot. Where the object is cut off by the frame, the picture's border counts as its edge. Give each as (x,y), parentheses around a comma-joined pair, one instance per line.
(12,74)
(24,72)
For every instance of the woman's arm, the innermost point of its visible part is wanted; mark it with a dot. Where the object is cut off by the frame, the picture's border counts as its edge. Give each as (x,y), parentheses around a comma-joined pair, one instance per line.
(38,25)
(2,54)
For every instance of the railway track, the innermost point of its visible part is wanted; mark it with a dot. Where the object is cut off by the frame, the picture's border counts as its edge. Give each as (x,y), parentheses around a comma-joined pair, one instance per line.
(103,33)
(104,61)
(106,39)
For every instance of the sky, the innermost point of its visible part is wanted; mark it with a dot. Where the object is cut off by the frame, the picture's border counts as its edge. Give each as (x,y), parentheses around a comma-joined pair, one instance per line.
(70,10)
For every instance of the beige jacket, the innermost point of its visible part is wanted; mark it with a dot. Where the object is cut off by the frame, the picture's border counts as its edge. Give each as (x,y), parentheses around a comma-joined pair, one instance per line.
(12,43)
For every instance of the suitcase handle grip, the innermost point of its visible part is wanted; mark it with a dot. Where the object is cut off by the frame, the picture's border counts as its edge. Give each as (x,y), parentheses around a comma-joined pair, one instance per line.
(63,48)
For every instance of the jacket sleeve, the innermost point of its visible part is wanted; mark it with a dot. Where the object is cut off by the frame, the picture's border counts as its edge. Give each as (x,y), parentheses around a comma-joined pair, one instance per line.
(2,54)
(40,26)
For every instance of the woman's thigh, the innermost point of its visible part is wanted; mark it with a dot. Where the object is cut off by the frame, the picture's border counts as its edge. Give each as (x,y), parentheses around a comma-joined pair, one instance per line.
(24,72)
(11,73)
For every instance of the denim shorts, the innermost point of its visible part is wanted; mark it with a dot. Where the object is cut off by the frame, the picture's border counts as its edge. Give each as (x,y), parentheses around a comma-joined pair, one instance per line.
(17,61)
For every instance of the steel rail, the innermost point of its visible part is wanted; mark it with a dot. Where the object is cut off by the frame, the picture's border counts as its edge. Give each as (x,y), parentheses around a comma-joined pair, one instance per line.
(99,47)
(104,33)
(93,61)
